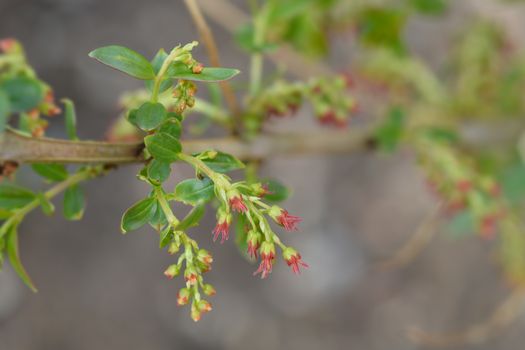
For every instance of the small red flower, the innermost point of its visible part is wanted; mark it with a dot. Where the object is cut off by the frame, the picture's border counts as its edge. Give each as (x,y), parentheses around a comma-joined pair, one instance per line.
(289,222)
(267,259)
(330,118)
(253,238)
(238,204)
(294,260)
(222,228)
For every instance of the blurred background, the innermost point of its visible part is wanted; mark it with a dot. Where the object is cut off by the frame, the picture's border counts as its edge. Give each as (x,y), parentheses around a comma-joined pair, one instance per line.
(101,290)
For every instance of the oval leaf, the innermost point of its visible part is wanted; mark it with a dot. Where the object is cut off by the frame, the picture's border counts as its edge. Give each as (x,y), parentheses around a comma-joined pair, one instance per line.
(194,191)
(74,203)
(163,146)
(14,258)
(221,162)
(125,60)
(51,172)
(209,74)
(138,215)
(150,115)
(23,93)
(12,196)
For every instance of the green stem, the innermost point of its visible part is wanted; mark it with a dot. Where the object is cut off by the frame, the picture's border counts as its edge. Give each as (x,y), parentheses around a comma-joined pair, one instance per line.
(201,166)
(19,214)
(256,67)
(172,219)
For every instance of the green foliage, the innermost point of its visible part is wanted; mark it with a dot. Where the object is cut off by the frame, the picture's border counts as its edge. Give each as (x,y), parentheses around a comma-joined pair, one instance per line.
(23,93)
(389,134)
(13,197)
(74,203)
(138,215)
(208,75)
(14,257)
(219,161)
(194,191)
(125,60)
(51,172)
(150,115)
(163,146)
(71,119)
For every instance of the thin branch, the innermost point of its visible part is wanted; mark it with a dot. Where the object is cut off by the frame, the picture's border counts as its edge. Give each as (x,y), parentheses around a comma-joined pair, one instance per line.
(20,148)
(213,53)
(416,243)
(508,311)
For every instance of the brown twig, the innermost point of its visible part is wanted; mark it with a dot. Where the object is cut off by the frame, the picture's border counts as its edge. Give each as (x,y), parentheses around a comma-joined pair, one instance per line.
(505,314)
(24,149)
(416,243)
(213,53)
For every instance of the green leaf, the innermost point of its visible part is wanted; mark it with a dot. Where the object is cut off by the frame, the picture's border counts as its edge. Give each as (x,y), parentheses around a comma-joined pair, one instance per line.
(163,146)
(138,215)
(382,27)
(51,172)
(171,126)
(430,7)
(389,134)
(165,237)
(221,162)
(23,93)
(125,60)
(47,207)
(150,115)
(158,220)
(71,119)
(209,74)
(4,110)
(74,203)
(277,192)
(241,236)
(14,258)
(194,191)
(12,196)
(192,218)
(159,170)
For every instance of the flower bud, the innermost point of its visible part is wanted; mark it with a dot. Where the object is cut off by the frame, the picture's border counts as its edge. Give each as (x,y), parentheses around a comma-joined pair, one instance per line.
(293,259)
(204,306)
(183,296)
(204,256)
(173,248)
(172,271)
(195,312)
(208,290)
(253,239)
(190,276)
(197,68)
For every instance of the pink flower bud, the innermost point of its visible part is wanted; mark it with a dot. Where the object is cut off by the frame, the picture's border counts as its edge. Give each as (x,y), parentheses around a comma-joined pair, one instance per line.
(183,296)
(197,68)
(172,271)
(208,290)
(283,218)
(253,239)
(267,259)
(190,276)
(293,259)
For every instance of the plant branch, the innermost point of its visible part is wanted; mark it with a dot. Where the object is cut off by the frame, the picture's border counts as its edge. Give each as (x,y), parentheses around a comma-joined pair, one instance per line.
(213,53)
(18,147)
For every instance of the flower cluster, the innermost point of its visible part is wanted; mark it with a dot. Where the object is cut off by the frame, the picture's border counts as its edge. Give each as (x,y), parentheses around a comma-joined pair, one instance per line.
(453,178)
(196,262)
(331,101)
(246,200)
